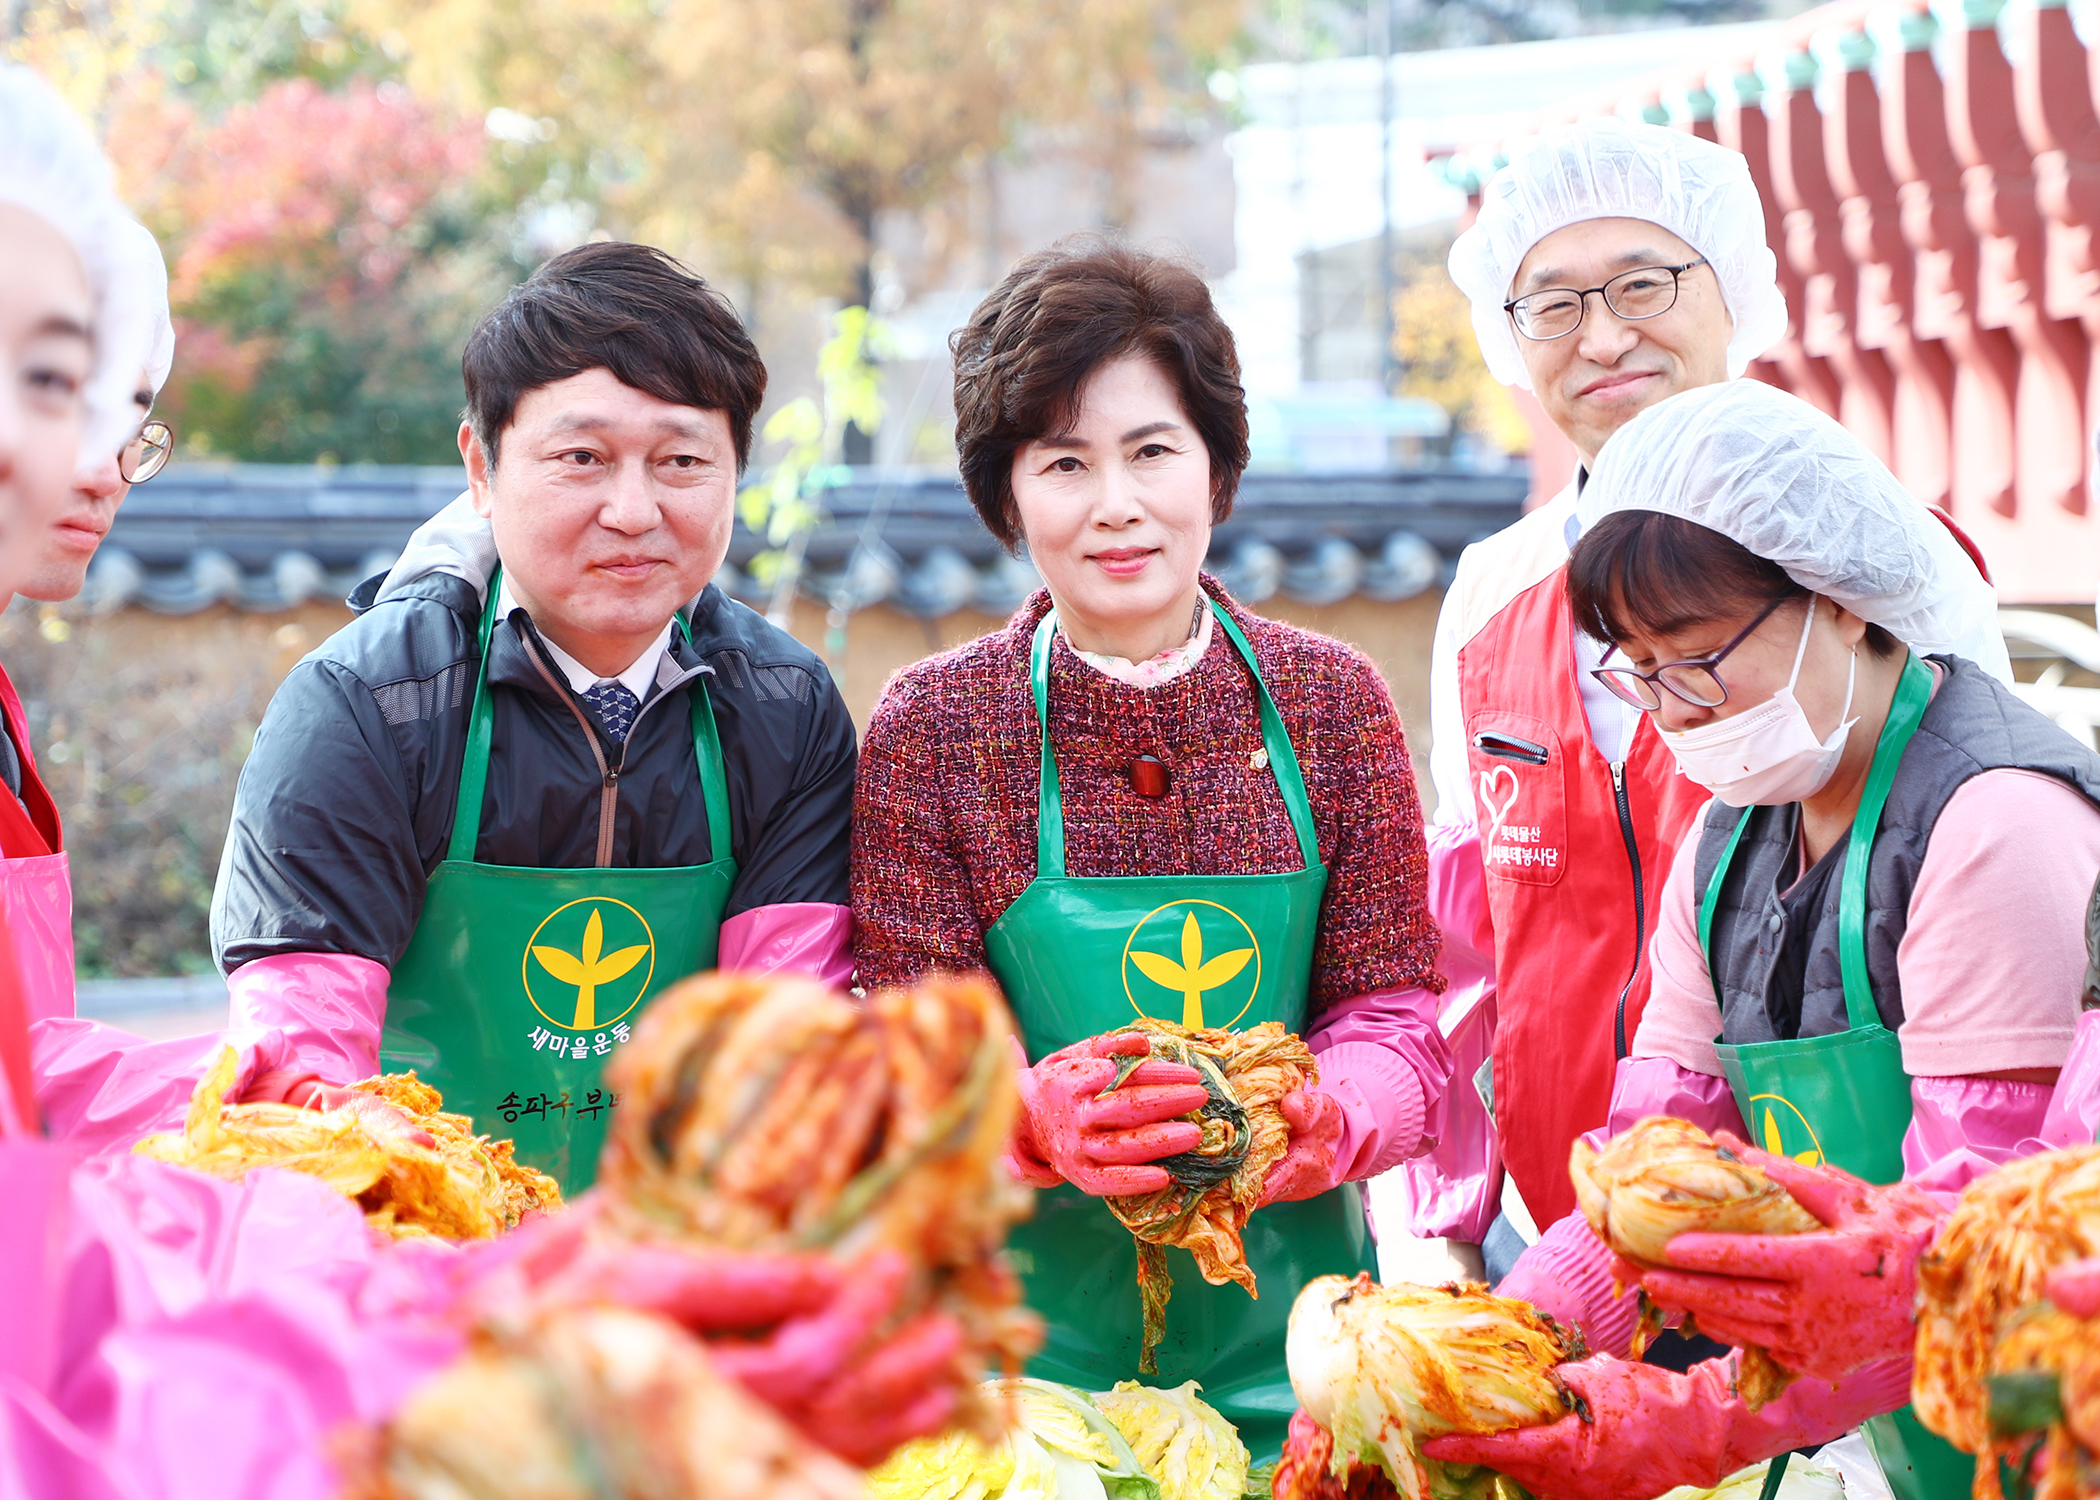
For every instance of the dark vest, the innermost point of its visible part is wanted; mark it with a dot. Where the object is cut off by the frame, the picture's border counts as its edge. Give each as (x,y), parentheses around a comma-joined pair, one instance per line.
(1775,949)
(2092,949)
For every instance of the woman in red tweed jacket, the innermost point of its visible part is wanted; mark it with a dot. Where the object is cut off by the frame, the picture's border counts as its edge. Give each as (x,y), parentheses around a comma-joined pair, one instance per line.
(1100,420)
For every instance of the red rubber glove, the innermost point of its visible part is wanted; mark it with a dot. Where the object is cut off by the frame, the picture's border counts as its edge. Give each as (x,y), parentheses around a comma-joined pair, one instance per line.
(1101,1144)
(844,1383)
(1648,1429)
(1823,1304)
(1307,1167)
(816,1341)
(304,1090)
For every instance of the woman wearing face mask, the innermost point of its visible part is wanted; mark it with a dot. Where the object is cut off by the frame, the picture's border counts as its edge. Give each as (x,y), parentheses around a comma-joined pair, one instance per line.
(1135,763)
(1872,949)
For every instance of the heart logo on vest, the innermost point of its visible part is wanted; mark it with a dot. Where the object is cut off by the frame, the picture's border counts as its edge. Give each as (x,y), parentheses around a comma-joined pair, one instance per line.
(1784,1131)
(1497,813)
(1192,962)
(589,963)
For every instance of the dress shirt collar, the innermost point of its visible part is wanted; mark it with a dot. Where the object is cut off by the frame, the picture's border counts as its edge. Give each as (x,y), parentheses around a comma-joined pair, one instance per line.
(639,678)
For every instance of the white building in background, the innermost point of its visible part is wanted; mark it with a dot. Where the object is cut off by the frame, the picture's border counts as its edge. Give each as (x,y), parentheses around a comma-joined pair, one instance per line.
(1276,196)
(1306,178)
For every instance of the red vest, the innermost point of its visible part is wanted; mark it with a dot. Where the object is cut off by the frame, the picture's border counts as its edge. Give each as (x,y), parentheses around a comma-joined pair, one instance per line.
(35,832)
(1566,850)
(22,835)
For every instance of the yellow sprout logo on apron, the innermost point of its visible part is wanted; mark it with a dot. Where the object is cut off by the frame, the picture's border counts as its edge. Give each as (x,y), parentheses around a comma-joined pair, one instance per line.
(589,963)
(1783,1131)
(1194,962)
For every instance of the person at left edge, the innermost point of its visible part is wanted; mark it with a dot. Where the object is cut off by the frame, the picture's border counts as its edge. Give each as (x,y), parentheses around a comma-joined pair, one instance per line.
(36,888)
(1137,765)
(529,787)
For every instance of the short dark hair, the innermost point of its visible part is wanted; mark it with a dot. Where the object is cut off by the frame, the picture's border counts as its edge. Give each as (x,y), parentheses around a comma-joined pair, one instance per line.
(1060,315)
(630,309)
(1656,574)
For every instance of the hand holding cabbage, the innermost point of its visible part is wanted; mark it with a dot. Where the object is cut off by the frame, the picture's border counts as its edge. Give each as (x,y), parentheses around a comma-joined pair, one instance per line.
(1380,1369)
(1241,1134)
(1824,1302)
(1100,1115)
(1452,1393)
(417,1171)
(1666,1177)
(795,1241)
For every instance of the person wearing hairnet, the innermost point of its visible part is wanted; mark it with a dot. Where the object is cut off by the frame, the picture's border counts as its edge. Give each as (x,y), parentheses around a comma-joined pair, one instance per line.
(1871,952)
(1612,265)
(103,481)
(97,1086)
(166,1332)
(35,880)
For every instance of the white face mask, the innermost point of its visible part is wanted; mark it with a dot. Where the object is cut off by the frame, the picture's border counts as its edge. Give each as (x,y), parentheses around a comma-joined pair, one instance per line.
(1768,756)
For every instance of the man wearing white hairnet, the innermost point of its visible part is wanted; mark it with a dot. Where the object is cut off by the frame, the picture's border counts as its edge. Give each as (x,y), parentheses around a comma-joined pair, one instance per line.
(1871,950)
(1613,264)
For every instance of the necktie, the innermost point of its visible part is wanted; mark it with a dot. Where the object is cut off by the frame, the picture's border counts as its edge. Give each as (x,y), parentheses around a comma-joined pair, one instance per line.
(615,707)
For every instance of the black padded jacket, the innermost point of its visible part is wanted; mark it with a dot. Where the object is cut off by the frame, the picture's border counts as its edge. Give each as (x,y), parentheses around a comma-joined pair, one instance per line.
(345,806)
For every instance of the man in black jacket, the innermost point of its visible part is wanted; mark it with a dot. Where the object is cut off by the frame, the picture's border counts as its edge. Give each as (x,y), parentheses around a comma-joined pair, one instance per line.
(618,694)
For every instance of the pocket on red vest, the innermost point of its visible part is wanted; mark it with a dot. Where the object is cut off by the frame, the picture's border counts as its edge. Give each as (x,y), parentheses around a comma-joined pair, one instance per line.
(1520,796)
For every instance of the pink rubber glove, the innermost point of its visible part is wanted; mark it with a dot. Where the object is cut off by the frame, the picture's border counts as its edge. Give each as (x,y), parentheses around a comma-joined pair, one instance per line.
(2076,1287)
(304,1090)
(1648,1430)
(819,1342)
(1308,1166)
(1823,1304)
(836,1375)
(1101,1143)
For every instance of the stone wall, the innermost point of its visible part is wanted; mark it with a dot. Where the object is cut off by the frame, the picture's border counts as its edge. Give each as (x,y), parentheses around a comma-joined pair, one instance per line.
(141,723)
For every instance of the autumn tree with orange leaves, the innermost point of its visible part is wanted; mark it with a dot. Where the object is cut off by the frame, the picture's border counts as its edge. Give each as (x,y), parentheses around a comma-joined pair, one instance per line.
(325,263)
(775,135)
(344,184)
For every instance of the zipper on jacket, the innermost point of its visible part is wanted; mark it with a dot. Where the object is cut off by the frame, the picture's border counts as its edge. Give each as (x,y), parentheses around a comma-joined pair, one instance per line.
(1640,904)
(609,788)
(609,771)
(1509,747)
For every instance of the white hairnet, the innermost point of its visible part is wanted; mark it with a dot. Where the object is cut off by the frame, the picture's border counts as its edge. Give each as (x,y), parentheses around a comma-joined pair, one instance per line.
(1614,168)
(50,166)
(1793,487)
(139,295)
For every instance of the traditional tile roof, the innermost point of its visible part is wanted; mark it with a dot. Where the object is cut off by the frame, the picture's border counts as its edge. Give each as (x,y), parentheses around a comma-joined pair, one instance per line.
(268,537)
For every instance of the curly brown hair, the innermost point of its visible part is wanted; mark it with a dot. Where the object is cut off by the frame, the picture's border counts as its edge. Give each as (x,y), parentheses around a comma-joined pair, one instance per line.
(1027,351)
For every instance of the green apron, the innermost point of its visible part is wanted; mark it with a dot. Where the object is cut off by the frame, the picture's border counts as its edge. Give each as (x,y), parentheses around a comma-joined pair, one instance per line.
(1080,956)
(1844,1098)
(518,982)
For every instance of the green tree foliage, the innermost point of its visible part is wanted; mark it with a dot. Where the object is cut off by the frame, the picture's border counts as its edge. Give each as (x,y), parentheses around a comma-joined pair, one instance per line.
(789,503)
(1440,357)
(770,137)
(330,237)
(328,254)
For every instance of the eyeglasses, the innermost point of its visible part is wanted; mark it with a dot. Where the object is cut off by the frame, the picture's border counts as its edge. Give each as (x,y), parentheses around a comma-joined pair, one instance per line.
(1696,682)
(1556,312)
(147,454)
